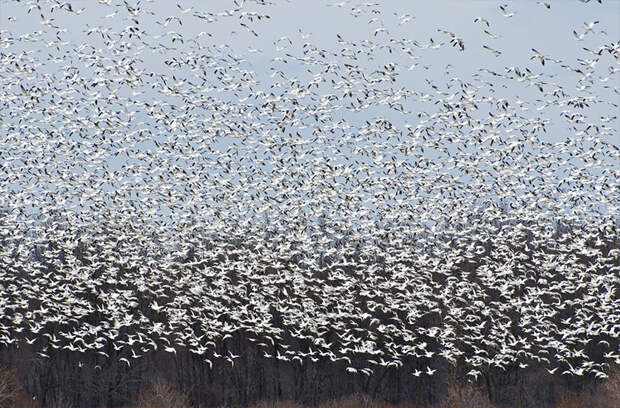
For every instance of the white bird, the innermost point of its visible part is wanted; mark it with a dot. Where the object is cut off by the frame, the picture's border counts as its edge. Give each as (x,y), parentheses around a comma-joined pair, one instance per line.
(505,12)
(187,198)
(474,373)
(493,36)
(482,20)
(578,37)
(184,11)
(589,27)
(494,52)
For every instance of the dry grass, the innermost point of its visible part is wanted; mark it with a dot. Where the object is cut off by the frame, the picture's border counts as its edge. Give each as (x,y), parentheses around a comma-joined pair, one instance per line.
(12,394)
(465,396)
(611,387)
(468,396)
(274,403)
(161,394)
(355,401)
(607,396)
(10,388)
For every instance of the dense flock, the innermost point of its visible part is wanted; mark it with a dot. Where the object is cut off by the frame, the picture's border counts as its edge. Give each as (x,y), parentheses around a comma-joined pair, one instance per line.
(179,177)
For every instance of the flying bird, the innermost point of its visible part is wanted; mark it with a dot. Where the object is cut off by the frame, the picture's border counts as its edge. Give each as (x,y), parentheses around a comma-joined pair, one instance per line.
(491,50)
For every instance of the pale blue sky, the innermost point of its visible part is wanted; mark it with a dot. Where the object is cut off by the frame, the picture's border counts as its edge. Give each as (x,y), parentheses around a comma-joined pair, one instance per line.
(317,24)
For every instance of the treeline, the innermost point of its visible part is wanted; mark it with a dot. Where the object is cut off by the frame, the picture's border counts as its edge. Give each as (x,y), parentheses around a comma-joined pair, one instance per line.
(105,375)
(67,379)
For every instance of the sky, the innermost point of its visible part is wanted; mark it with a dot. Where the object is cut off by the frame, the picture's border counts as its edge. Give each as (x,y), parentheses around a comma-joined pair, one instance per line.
(271,49)
(319,22)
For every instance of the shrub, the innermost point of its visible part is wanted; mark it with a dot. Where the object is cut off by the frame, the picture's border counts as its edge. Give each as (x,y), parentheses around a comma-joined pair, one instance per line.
(276,404)
(161,394)
(10,388)
(465,395)
(607,395)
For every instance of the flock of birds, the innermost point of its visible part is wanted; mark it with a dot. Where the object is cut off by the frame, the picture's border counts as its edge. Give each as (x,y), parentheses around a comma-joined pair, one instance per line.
(350,202)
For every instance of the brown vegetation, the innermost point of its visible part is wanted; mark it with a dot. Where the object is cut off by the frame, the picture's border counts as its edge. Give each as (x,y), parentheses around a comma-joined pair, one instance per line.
(10,388)
(607,396)
(164,394)
(161,394)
